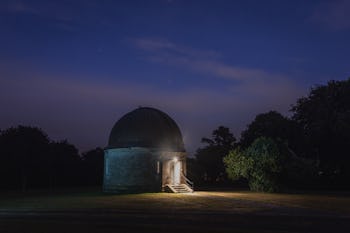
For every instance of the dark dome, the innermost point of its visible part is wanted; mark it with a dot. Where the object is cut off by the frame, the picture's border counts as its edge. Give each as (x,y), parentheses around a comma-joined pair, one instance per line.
(146,127)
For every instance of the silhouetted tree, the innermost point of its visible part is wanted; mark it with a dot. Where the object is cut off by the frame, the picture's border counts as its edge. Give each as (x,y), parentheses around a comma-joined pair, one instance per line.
(210,156)
(93,161)
(65,164)
(194,171)
(28,159)
(23,157)
(325,118)
(274,125)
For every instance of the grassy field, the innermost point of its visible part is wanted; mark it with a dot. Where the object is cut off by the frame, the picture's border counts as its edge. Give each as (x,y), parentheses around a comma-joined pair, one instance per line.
(92,211)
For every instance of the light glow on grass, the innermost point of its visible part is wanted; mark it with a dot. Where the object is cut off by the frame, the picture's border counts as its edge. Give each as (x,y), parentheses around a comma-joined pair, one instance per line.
(233,202)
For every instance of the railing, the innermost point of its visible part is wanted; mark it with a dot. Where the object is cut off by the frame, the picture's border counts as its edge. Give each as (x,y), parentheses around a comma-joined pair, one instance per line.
(188,182)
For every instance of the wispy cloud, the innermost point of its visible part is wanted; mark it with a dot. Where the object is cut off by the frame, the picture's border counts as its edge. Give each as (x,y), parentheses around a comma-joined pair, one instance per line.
(204,61)
(166,47)
(21,7)
(59,14)
(332,14)
(67,105)
(53,10)
(84,111)
(252,90)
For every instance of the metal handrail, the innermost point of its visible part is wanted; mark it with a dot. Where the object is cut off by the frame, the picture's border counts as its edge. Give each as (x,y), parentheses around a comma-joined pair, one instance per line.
(189,183)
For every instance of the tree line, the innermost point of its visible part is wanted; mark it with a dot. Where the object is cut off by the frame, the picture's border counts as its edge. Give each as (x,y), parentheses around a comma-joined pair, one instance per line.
(30,159)
(309,149)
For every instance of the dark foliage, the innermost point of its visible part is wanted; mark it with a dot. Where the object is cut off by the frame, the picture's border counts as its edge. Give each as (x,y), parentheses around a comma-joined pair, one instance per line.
(23,158)
(66,167)
(325,119)
(277,127)
(209,158)
(93,166)
(29,159)
(194,171)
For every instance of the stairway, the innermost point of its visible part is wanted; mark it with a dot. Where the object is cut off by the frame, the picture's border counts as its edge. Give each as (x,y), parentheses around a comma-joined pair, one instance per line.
(179,188)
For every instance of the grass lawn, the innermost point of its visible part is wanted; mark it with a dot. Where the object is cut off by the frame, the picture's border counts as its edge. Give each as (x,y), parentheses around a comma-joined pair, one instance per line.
(241,211)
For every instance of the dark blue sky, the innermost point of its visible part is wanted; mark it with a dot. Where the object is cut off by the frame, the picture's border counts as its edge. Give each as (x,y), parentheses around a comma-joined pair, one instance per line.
(74,67)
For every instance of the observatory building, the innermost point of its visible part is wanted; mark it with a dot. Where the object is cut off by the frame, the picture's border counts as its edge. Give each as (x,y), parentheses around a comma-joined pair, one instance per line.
(145,153)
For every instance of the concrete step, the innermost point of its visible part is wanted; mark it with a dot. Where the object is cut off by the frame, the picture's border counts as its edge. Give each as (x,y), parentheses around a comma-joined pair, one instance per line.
(181,188)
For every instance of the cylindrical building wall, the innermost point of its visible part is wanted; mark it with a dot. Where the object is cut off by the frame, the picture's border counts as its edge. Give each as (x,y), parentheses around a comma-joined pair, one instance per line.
(131,170)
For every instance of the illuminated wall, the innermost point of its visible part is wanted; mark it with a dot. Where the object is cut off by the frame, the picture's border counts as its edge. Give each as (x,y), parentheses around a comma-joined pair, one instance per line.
(138,169)
(131,170)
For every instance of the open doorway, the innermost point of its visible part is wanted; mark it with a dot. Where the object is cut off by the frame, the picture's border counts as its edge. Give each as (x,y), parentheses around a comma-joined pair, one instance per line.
(176,172)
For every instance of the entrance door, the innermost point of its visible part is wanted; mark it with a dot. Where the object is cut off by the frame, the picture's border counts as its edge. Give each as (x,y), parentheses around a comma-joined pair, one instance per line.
(176,173)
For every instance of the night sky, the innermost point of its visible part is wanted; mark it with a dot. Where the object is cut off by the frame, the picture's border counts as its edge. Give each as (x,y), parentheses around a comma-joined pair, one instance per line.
(73,68)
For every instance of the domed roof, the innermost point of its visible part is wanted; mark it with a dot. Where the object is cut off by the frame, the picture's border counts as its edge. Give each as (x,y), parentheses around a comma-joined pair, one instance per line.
(146,127)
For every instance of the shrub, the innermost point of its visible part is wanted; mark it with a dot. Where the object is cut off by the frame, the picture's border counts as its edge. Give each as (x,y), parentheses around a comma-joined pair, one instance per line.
(260,164)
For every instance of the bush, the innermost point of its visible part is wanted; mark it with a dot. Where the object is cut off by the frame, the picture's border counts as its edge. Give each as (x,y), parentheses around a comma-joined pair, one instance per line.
(268,166)
(259,164)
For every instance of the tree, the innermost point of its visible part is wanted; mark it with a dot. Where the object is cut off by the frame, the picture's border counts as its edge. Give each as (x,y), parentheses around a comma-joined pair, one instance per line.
(24,157)
(210,157)
(194,171)
(268,166)
(29,159)
(325,119)
(221,137)
(277,127)
(263,165)
(238,165)
(65,164)
(92,162)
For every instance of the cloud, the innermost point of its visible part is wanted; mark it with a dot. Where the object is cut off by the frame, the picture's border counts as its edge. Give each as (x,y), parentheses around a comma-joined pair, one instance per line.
(69,106)
(250,90)
(21,7)
(247,86)
(164,47)
(203,61)
(63,15)
(332,14)
(59,14)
